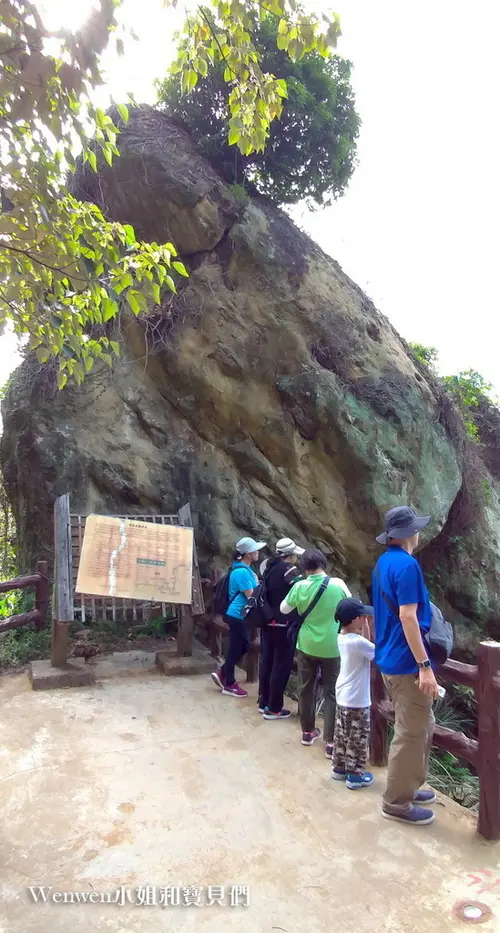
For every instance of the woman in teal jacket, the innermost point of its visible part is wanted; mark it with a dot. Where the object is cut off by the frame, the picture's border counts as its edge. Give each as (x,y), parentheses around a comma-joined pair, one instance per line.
(242,582)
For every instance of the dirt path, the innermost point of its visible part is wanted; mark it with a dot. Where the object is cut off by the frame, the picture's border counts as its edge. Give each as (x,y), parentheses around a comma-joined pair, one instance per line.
(155,781)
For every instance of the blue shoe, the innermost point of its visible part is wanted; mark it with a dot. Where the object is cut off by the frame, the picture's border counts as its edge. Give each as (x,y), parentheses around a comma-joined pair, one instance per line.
(425,796)
(416,816)
(355,781)
(338,775)
(263,709)
(283,714)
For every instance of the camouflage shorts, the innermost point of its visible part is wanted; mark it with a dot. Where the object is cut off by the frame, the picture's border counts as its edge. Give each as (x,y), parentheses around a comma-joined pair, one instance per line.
(351,739)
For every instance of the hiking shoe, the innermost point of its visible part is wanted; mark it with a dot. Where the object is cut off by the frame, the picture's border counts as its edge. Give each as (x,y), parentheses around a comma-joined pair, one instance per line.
(308,738)
(417,816)
(218,679)
(338,775)
(355,781)
(234,690)
(283,714)
(425,796)
(329,750)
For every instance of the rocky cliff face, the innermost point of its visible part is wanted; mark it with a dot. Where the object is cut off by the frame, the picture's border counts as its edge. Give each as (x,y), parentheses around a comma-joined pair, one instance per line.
(270,393)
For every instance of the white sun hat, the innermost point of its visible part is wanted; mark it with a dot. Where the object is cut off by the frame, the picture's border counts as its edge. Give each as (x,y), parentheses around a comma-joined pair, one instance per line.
(287,547)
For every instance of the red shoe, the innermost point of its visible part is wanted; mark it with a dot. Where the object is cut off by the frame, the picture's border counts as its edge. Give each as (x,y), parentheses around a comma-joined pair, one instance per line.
(234,690)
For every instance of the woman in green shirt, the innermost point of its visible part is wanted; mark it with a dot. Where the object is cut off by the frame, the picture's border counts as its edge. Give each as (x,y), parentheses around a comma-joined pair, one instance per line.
(317,648)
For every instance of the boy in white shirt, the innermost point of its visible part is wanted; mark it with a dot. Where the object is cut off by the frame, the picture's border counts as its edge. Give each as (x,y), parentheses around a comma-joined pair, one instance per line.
(352,720)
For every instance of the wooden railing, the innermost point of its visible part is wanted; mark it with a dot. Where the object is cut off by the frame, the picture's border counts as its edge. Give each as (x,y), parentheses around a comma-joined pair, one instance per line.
(482,753)
(38,615)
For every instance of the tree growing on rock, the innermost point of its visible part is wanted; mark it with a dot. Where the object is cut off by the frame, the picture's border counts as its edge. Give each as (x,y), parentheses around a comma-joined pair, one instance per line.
(311,151)
(65,271)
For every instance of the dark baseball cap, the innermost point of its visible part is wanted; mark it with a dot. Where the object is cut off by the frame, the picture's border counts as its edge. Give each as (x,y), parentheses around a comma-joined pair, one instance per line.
(402,522)
(349,609)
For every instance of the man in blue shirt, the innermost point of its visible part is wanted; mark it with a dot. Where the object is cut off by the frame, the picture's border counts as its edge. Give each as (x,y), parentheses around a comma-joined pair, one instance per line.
(402,619)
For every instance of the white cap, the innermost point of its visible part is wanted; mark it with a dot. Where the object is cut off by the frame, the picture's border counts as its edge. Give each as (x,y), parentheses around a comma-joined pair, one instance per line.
(287,547)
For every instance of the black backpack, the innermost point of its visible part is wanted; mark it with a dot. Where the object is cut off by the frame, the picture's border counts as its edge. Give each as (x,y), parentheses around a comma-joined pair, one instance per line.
(220,601)
(258,612)
(439,638)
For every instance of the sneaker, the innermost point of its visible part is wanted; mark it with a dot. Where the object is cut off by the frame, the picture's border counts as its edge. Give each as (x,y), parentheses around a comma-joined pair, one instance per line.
(355,781)
(234,690)
(308,738)
(338,775)
(417,816)
(425,796)
(263,709)
(329,750)
(218,679)
(283,714)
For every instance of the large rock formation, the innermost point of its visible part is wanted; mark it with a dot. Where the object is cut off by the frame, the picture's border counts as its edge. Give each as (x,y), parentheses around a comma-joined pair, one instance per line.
(270,393)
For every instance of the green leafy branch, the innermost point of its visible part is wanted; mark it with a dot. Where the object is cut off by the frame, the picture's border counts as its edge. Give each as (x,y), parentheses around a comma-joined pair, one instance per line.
(222,32)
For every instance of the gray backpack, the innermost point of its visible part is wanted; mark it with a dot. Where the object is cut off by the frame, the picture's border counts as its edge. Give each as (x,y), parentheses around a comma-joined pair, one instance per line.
(439,637)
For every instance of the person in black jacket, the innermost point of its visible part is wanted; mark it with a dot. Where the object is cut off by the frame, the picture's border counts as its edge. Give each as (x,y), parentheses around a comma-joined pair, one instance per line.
(276,650)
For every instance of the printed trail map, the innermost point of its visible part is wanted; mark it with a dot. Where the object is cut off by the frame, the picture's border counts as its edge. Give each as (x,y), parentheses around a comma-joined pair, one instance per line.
(136,560)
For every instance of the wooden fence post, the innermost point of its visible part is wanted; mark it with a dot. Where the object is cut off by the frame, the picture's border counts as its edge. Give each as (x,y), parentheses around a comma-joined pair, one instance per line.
(488,731)
(185,623)
(42,594)
(215,635)
(63,582)
(379,738)
(185,632)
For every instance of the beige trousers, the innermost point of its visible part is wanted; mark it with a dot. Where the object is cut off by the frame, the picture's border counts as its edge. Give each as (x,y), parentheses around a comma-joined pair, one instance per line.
(411,745)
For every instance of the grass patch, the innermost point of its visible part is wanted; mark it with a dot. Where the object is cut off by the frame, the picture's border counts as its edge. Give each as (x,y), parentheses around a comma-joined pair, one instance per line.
(22,645)
(448,775)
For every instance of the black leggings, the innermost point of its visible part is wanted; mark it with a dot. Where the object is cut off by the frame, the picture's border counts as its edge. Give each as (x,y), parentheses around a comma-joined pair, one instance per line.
(276,658)
(239,643)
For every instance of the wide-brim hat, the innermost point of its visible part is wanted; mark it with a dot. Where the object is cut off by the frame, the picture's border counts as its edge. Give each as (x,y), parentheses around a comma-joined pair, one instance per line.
(287,547)
(402,522)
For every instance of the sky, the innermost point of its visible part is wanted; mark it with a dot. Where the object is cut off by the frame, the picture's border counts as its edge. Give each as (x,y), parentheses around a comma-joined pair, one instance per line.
(418,227)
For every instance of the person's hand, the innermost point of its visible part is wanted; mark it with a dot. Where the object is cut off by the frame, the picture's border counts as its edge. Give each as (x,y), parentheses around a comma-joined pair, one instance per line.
(428,683)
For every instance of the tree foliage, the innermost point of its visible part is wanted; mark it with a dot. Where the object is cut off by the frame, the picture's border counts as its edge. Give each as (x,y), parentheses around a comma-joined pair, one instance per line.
(62,266)
(311,149)
(468,386)
(468,390)
(64,270)
(223,32)
(426,356)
